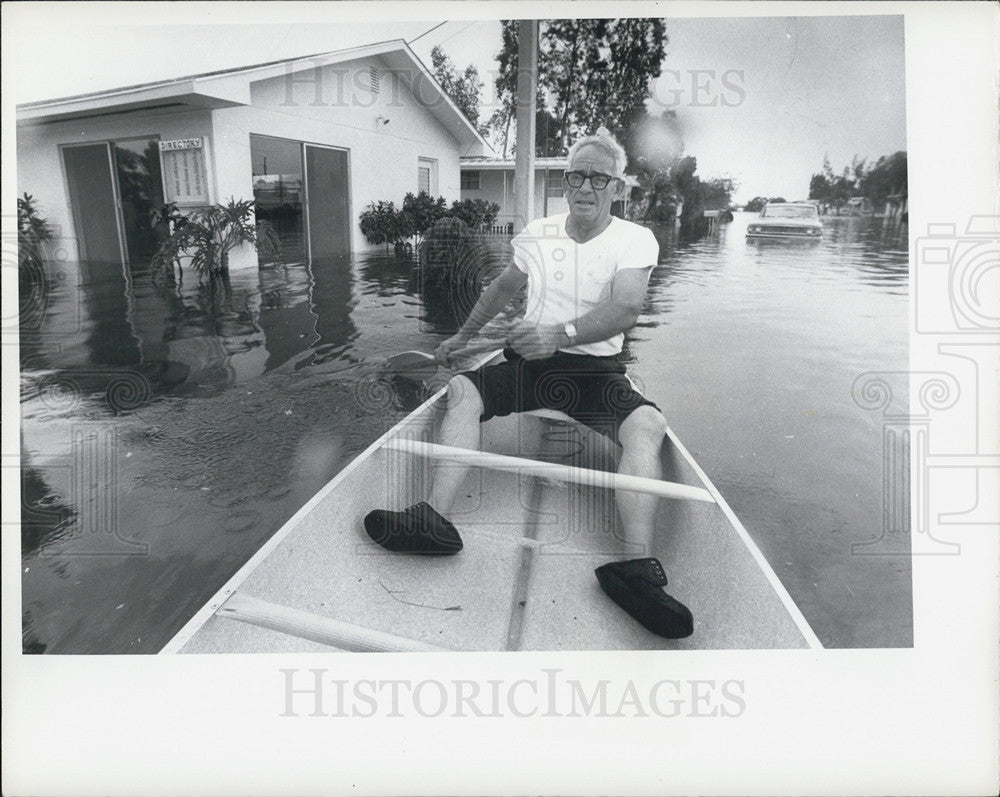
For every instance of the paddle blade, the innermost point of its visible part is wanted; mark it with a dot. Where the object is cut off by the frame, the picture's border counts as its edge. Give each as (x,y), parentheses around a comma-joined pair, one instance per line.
(415,365)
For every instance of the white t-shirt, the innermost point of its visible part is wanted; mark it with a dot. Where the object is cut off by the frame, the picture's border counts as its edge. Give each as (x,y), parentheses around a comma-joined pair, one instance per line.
(567,279)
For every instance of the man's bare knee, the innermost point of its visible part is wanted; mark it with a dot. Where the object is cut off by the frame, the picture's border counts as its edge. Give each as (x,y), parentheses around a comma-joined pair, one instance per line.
(463,398)
(644,427)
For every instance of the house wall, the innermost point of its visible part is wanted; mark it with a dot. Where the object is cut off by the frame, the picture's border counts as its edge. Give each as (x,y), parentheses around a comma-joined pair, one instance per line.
(332,107)
(39,161)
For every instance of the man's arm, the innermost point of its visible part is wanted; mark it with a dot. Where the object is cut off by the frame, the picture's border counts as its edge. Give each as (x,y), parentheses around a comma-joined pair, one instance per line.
(496,296)
(618,314)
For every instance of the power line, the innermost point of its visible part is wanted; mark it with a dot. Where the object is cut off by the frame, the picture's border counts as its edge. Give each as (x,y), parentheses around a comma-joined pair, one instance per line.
(428,31)
(463,30)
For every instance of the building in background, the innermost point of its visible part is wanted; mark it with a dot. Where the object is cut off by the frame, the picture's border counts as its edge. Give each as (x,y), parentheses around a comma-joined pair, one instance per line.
(492,179)
(312,139)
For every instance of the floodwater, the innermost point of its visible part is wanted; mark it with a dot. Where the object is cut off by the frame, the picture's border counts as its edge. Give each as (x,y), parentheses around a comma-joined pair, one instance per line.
(168,431)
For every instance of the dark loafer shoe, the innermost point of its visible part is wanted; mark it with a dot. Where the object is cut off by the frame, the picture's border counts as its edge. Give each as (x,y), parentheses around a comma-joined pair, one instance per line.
(417,529)
(636,586)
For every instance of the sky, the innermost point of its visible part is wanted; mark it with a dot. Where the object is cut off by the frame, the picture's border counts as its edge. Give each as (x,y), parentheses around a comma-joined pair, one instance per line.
(760,100)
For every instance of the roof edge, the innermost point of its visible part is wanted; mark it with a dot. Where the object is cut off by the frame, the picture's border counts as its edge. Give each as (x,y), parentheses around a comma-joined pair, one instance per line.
(376,47)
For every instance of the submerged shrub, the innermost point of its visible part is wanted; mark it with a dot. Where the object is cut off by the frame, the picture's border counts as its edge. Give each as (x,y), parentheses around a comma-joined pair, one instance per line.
(207,235)
(384,223)
(33,232)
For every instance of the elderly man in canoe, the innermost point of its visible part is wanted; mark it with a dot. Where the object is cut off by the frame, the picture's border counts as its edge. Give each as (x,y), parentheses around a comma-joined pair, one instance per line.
(587,273)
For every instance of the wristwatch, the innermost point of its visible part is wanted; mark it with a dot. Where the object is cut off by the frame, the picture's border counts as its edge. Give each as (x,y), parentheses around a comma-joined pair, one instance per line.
(570,330)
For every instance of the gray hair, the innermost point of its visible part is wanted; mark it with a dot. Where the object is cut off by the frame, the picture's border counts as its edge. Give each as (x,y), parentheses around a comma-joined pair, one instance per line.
(603,139)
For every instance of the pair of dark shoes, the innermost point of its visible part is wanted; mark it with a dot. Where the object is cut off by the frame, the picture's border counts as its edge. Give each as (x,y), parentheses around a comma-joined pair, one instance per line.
(637,586)
(417,529)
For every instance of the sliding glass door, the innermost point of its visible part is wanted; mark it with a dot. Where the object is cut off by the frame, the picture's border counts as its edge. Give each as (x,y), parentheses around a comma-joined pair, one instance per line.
(113,186)
(94,202)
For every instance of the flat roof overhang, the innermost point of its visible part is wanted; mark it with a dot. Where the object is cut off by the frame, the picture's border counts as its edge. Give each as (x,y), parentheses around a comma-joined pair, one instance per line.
(181,95)
(495,165)
(231,87)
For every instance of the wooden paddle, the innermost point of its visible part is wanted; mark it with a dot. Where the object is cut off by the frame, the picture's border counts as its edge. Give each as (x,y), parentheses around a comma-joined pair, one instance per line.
(421,366)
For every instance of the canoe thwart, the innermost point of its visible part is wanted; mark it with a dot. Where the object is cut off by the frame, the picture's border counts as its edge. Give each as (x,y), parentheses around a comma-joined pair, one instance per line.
(552,470)
(317,627)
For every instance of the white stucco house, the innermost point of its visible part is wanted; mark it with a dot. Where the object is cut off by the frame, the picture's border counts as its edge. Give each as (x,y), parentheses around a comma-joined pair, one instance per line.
(312,139)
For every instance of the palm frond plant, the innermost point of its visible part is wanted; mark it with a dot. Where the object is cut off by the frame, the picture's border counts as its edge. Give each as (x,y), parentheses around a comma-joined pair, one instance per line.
(207,235)
(33,232)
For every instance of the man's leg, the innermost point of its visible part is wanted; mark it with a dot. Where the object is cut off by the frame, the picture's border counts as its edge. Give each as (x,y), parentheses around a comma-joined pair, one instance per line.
(423,527)
(459,428)
(641,437)
(637,585)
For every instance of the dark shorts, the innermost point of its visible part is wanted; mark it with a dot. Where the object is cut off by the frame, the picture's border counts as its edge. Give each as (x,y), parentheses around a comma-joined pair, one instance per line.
(592,390)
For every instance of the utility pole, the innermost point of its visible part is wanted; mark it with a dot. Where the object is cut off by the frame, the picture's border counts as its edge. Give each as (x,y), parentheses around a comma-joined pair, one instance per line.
(524,104)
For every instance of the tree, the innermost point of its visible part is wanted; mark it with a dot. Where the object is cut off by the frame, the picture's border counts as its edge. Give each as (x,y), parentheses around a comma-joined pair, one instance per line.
(857,170)
(819,187)
(505,83)
(591,72)
(654,146)
(208,234)
(549,135)
(477,214)
(717,193)
(888,176)
(827,168)
(33,231)
(687,185)
(463,88)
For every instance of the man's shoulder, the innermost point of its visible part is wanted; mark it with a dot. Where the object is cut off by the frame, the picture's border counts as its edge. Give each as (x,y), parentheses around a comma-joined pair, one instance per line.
(546,227)
(629,229)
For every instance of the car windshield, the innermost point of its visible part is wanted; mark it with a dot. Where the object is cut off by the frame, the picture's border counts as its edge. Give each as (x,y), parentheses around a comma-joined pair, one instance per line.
(790,212)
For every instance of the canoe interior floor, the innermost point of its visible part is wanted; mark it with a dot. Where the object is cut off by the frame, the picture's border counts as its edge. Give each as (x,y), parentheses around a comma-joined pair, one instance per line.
(524,580)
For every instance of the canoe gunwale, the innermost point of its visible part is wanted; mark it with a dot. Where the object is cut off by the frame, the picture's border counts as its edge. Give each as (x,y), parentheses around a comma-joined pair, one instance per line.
(786,599)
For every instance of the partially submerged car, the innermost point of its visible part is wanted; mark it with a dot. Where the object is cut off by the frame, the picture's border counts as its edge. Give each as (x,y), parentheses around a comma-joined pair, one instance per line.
(789,220)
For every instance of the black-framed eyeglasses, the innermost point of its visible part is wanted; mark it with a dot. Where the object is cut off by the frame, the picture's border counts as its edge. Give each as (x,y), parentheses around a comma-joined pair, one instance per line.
(598,181)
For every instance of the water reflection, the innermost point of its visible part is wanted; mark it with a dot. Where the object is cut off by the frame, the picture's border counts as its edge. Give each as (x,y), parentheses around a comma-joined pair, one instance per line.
(332,303)
(286,316)
(46,517)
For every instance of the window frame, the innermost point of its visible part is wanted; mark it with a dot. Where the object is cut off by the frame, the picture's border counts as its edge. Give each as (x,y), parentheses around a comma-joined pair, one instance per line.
(467,174)
(431,165)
